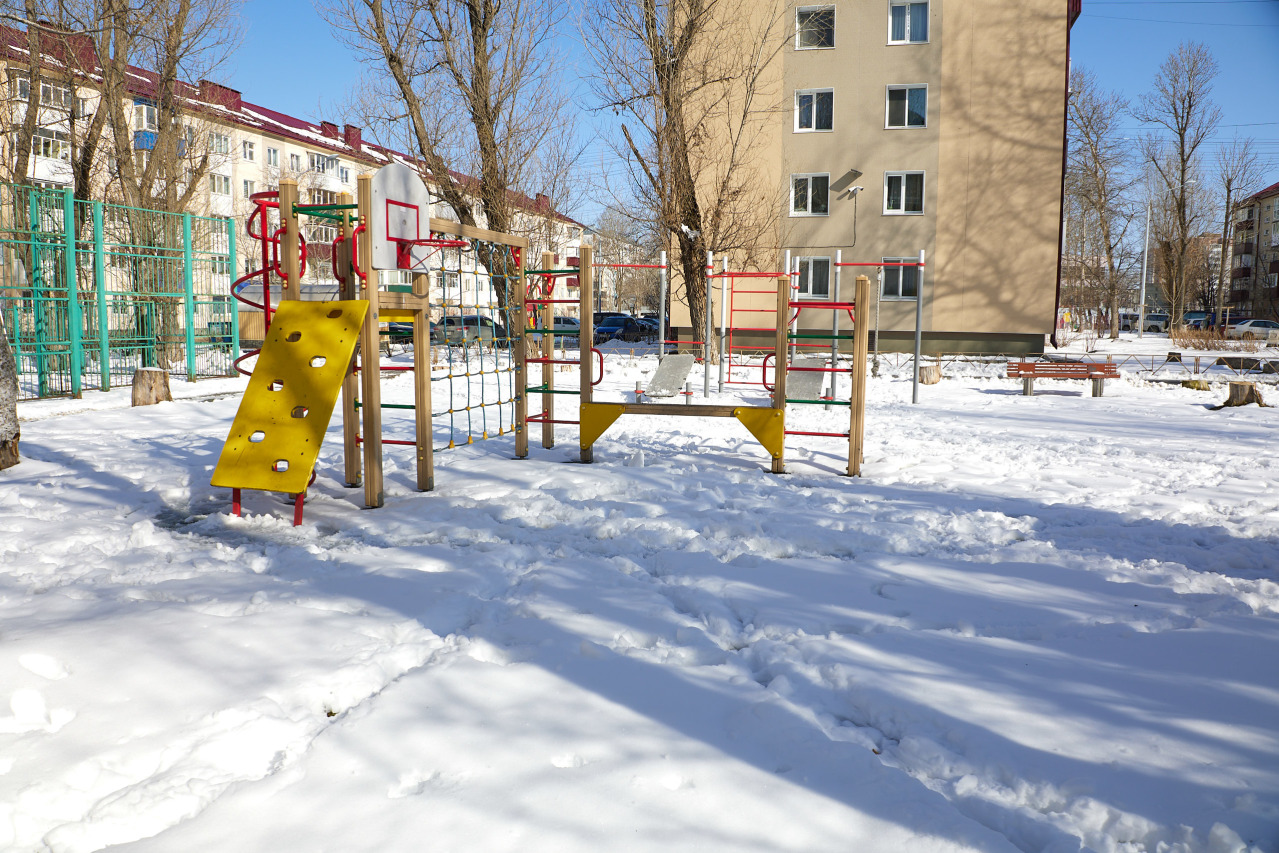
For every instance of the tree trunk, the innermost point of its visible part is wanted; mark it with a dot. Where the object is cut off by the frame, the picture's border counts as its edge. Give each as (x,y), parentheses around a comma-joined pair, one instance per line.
(150,386)
(9,431)
(1243,393)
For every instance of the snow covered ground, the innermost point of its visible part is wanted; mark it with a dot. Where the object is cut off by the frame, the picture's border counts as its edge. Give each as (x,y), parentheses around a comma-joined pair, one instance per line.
(1036,624)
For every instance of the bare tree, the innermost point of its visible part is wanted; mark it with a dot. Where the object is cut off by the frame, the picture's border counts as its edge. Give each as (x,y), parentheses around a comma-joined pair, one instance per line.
(694,118)
(1239,171)
(1179,104)
(478,91)
(1100,176)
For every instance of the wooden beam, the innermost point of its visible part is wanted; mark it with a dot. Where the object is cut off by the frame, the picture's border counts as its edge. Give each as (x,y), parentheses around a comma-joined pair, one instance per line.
(370,356)
(547,346)
(447,226)
(290,242)
(586,334)
(351,384)
(861,343)
(779,360)
(423,431)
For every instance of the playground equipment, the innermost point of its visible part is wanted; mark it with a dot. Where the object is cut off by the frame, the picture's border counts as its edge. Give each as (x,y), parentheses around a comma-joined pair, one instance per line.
(389,227)
(766,423)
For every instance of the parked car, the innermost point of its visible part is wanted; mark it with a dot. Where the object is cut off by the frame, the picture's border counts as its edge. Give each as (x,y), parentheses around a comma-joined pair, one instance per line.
(651,331)
(620,328)
(601,316)
(567,327)
(402,333)
(1251,330)
(471,327)
(1157,322)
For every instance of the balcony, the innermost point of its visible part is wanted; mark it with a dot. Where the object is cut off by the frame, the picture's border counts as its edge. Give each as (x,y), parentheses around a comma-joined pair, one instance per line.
(1274,267)
(1241,272)
(1238,296)
(1244,248)
(144,140)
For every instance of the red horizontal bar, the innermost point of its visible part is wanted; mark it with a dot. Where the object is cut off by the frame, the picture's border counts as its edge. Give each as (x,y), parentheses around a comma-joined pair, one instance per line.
(360,440)
(748,275)
(552,301)
(827,434)
(818,369)
(843,305)
(552,361)
(631,267)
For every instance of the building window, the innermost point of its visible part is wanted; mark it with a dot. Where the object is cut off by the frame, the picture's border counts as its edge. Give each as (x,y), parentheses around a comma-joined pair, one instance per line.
(810,195)
(814,27)
(295,162)
(250,187)
(55,96)
(344,174)
(907,106)
(51,144)
(273,157)
(221,264)
(219,143)
(903,192)
(319,162)
(813,109)
(22,88)
(144,117)
(247,150)
(814,277)
(219,184)
(908,23)
(901,282)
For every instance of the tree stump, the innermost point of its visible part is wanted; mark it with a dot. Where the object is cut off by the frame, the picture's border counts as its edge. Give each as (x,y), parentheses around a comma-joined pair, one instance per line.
(929,374)
(150,386)
(1243,393)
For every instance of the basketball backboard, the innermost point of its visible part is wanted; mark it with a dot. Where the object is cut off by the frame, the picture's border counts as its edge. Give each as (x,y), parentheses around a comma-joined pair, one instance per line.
(401,212)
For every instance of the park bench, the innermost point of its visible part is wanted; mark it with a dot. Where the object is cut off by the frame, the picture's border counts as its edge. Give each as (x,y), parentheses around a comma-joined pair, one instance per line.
(1028,371)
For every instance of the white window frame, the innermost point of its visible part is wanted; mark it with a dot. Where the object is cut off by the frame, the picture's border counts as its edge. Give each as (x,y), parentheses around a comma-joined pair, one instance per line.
(219,184)
(798,30)
(814,93)
(922,193)
(248,151)
(250,187)
(904,87)
(273,157)
(219,143)
(899,271)
(344,174)
(808,211)
(906,5)
(145,118)
(803,279)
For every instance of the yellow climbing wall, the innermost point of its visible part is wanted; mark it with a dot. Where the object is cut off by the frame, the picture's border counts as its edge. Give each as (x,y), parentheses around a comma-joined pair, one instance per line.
(277,432)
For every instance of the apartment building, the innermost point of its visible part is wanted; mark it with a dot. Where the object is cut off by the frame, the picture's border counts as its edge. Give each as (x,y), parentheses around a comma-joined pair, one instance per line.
(1254,274)
(250,148)
(934,126)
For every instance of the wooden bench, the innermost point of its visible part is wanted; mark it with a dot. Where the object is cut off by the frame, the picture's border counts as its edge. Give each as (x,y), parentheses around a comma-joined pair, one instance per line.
(1028,371)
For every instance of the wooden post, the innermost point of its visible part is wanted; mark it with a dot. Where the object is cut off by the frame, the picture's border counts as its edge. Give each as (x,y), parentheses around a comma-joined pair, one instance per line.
(547,350)
(1243,393)
(586,284)
(151,386)
(370,352)
(779,360)
(519,342)
(423,428)
(290,242)
(861,346)
(351,384)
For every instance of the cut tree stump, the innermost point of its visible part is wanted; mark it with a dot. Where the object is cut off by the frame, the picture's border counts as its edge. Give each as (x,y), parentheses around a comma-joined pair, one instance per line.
(150,386)
(1243,393)
(929,374)
(9,453)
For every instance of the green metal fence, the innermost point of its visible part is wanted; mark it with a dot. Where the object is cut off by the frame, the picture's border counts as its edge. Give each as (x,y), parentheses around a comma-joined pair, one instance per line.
(90,292)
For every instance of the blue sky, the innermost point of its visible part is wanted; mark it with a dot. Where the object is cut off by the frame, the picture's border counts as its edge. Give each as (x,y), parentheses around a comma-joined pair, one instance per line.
(291,60)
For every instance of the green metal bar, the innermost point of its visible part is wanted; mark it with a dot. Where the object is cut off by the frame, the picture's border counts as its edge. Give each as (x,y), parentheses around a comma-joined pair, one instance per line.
(332,217)
(542,389)
(100,280)
(188,282)
(310,209)
(408,406)
(75,324)
(35,276)
(234,306)
(821,402)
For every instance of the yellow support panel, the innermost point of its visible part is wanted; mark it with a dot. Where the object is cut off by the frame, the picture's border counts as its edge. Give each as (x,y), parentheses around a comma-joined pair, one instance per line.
(277,432)
(596,418)
(767,425)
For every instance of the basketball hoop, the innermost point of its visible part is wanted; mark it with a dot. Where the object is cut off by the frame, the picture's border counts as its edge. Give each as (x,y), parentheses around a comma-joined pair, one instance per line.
(407,259)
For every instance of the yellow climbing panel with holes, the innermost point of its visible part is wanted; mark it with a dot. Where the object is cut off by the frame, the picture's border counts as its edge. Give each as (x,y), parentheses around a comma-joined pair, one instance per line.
(276,436)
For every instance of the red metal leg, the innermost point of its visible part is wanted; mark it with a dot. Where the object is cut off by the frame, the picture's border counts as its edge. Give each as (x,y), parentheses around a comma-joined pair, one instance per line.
(235,502)
(297,508)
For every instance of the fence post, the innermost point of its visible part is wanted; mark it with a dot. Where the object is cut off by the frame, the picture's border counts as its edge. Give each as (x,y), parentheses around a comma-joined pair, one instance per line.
(231,301)
(75,326)
(188,286)
(100,282)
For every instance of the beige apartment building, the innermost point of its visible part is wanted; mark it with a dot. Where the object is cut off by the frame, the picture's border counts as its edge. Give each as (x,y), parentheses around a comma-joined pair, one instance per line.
(934,126)
(1254,273)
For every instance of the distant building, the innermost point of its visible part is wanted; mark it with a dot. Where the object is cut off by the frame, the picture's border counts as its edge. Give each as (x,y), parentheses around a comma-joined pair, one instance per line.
(1254,269)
